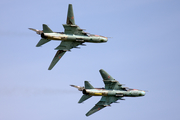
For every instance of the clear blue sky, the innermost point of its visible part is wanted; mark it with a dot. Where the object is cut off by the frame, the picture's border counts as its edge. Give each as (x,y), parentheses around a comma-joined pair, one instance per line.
(143,53)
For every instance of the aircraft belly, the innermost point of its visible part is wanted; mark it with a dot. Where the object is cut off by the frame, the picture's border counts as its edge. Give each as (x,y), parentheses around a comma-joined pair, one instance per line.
(132,93)
(56,36)
(78,38)
(97,92)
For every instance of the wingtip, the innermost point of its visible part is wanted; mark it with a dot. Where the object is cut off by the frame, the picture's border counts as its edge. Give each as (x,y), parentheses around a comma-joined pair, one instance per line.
(101,70)
(79,102)
(49,68)
(38,45)
(88,114)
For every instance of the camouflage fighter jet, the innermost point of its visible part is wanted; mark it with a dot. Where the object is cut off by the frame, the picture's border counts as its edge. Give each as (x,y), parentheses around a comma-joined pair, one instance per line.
(72,36)
(112,92)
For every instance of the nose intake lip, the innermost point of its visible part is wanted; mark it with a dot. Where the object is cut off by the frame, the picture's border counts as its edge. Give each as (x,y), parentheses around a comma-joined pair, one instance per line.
(143,93)
(105,39)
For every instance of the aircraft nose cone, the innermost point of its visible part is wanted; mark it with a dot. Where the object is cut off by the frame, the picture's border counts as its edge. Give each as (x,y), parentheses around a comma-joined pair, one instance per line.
(105,39)
(143,93)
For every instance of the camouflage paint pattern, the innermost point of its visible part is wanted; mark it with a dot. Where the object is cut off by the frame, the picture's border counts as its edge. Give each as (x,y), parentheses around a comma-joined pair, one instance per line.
(72,36)
(112,92)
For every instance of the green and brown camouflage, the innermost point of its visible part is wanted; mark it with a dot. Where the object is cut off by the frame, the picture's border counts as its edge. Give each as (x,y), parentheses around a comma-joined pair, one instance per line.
(72,36)
(112,92)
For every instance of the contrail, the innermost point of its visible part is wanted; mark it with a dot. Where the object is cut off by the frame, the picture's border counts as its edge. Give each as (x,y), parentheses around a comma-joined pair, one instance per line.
(15,33)
(22,91)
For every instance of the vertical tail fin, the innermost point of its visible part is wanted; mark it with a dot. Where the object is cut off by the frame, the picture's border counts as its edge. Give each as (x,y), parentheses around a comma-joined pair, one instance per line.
(43,40)
(46,29)
(88,85)
(70,16)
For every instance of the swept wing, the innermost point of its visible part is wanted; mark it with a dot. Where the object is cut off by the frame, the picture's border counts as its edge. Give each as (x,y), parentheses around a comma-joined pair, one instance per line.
(69,28)
(105,101)
(110,82)
(62,48)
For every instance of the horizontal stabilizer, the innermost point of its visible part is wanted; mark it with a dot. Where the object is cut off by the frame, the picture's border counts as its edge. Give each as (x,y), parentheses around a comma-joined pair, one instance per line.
(88,85)
(42,41)
(56,58)
(46,29)
(84,97)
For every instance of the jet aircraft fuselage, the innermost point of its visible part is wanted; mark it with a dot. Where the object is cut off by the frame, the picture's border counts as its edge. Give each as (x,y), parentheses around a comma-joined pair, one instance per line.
(72,37)
(122,93)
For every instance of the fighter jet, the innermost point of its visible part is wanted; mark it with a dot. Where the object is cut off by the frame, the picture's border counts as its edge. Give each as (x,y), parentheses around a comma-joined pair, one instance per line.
(72,36)
(112,92)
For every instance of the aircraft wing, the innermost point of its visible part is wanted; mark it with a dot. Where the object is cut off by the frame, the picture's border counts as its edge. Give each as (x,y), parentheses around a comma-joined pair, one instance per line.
(73,29)
(110,82)
(68,45)
(105,101)
(70,27)
(62,48)
(56,58)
